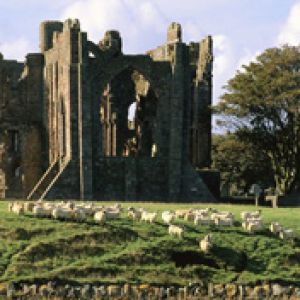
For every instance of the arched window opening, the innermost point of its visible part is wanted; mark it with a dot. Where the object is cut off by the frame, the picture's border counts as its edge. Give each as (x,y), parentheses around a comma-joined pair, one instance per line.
(128,116)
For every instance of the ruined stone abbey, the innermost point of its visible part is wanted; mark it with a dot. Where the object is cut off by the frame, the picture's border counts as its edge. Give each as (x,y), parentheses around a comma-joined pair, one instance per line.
(82,120)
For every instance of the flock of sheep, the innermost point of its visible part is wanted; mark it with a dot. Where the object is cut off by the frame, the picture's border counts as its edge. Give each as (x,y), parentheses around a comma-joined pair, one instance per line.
(79,212)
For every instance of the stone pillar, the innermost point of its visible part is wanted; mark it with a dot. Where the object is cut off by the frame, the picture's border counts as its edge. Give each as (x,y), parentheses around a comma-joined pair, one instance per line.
(201,156)
(177,115)
(84,122)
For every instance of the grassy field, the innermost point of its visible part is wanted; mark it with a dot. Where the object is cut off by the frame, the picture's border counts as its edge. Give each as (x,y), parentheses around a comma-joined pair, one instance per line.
(37,250)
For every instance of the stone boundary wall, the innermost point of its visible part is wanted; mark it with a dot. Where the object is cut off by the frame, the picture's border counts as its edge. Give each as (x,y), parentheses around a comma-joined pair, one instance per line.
(52,290)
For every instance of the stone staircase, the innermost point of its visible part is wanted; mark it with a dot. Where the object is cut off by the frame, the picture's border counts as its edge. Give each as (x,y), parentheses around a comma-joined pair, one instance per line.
(43,186)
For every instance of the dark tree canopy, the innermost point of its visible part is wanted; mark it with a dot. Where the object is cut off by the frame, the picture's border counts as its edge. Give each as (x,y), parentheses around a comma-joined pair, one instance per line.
(240,164)
(262,105)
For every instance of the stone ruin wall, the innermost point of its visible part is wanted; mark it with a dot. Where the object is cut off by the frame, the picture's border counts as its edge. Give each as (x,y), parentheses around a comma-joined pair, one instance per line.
(20,130)
(69,105)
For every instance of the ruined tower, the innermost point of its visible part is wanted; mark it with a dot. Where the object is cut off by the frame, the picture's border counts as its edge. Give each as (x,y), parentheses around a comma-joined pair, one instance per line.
(83,120)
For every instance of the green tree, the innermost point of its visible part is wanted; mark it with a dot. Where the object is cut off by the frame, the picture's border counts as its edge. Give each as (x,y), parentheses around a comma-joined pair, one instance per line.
(239,163)
(262,104)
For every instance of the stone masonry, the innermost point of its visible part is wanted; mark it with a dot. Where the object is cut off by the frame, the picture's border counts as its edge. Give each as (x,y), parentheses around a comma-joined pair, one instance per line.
(83,120)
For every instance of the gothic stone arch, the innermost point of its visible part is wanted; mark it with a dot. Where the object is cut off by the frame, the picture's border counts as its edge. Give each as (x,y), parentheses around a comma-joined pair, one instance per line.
(130,177)
(73,69)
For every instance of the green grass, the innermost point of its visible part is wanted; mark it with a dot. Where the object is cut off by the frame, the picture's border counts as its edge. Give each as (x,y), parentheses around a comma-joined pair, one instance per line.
(37,250)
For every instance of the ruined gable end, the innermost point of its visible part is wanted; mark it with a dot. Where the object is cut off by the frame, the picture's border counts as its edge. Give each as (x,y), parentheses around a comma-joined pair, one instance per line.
(84,120)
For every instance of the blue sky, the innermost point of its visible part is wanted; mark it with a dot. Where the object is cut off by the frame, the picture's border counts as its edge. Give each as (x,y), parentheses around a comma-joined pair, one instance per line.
(241,28)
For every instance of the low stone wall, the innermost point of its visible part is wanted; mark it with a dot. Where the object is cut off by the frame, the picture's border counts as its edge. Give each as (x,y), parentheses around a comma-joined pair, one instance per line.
(52,290)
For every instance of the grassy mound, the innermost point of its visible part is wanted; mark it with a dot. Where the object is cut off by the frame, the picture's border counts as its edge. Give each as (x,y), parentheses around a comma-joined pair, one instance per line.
(37,250)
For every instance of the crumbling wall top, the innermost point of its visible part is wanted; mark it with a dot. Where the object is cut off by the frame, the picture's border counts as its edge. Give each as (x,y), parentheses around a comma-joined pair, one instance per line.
(111,42)
(47,29)
(174,33)
(71,24)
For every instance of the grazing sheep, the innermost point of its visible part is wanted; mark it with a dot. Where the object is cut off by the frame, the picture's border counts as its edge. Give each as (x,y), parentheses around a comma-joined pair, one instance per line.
(176,230)
(189,216)
(79,215)
(10,206)
(202,220)
(167,217)
(41,212)
(112,214)
(135,214)
(17,208)
(254,226)
(28,206)
(223,221)
(148,217)
(180,213)
(69,205)
(256,214)
(287,234)
(100,217)
(245,215)
(275,227)
(202,212)
(222,214)
(62,213)
(245,225)
(206,243)
(89,211)
(250,214)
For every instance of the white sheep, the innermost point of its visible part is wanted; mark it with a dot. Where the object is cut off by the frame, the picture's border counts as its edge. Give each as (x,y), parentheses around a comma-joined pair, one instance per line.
(180,213)
(256,214)
(88,209)
(206,243)
(79,215)
(135,214)
(28,206)
(250,214)
(287,234)
(100,217)
(202,220)
(17,208)
(202,212)
(254,226)
(222,214)
(40,211)
(10,206)
(189,216)
(69,205)
(62,213)
(148,217)
(223,221)
(175,230)
(245,215)
(245,225)
(275,227)
(112,214)
(167,217)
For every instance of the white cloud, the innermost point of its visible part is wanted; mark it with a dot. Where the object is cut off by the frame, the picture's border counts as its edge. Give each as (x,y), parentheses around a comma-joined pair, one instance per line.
(223,54)
(148,15)
(137,21)
(15,49)
(290,31)
(224,64)
(247,57)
